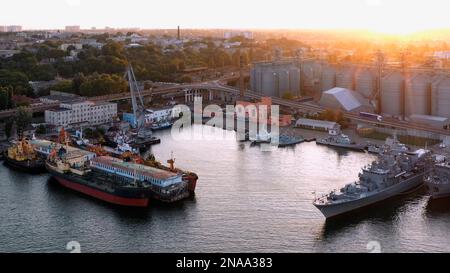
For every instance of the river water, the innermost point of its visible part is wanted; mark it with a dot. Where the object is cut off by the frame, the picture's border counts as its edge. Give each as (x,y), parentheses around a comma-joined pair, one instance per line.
(247,200)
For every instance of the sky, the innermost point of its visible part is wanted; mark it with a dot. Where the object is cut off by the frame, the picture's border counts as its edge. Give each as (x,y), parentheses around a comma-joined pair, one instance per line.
(388,16)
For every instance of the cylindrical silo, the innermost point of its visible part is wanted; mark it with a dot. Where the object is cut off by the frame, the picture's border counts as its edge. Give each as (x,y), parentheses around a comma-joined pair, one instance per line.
(283,81)
(345,77)
(441,97)
(391,86)
(365,82)
(328,78)
(417,95)
(311,74)
(269,82)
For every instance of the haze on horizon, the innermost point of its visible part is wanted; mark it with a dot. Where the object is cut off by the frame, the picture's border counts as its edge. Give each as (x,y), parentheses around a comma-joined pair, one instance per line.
(386,16)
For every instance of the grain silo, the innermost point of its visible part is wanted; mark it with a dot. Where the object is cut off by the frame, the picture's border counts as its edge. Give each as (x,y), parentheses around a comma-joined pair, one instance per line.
(275,78)
(328,78)
(294,80)
(391,90)
(283,81)
(441,97)
(310,76)
(417,95)
(268,82)
(365,82)
(345,77)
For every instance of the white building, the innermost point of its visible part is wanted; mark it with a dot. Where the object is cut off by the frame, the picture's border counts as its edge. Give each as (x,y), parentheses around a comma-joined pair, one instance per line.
(161,115)
(73,113)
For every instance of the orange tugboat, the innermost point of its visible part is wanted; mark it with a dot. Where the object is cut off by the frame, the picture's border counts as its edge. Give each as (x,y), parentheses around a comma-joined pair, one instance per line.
(23,156)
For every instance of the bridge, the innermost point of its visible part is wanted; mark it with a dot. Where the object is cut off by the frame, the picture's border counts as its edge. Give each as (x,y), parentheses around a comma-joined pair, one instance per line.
(219,86)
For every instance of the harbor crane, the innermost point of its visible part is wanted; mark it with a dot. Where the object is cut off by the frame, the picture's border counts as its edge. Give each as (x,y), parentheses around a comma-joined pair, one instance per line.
(137,101)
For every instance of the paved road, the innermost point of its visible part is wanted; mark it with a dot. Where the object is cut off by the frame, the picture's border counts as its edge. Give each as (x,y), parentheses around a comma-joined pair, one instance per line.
(219,85)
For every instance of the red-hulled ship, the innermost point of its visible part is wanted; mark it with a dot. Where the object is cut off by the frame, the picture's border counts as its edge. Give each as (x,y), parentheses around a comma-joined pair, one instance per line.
(74,172)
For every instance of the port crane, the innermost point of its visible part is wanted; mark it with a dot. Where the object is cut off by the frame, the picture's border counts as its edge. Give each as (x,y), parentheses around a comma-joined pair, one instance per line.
(137,102)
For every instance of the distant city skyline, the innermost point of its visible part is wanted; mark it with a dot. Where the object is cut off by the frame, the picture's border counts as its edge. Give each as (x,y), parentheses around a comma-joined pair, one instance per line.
(388,16)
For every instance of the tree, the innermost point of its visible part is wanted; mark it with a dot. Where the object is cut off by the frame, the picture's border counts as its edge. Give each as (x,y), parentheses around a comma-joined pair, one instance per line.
(18,81)
(64,86)
(103,84)
(40,130)
(186,79)
(23,118)
(288,95)
(8,127)
(5,97)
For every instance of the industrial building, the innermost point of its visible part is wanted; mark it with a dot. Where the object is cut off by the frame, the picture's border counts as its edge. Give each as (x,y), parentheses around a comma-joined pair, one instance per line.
(81,112)
(320,125)
(403,93)
(345,99)
(275,78)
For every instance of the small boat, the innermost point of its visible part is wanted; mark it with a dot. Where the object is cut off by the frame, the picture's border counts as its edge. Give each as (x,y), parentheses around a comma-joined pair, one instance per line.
(22,156)
(286,141)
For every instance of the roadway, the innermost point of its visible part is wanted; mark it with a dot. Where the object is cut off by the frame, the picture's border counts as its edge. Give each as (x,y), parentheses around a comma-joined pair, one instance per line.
(219,85)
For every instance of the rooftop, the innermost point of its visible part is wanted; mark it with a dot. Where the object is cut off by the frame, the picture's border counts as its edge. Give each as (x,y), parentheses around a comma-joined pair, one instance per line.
(143,169)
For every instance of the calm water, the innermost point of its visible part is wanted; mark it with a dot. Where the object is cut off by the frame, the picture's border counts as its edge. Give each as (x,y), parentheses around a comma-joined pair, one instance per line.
(247,200)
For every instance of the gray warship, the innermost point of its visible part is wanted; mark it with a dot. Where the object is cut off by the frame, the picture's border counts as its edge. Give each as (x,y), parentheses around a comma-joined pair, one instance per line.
(438,182)
(341,141)
(392,174)
(391,143)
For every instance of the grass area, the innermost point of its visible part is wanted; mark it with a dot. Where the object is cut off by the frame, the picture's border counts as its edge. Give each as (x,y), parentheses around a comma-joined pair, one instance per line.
(408,140)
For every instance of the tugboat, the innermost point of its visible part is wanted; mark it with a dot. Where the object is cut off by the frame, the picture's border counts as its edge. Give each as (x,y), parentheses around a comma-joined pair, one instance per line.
(337,139)
(391,175)
(23,156)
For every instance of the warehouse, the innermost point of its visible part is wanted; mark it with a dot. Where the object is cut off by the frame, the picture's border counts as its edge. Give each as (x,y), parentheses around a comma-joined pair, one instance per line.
(434,121)
(345,99)
(320,125)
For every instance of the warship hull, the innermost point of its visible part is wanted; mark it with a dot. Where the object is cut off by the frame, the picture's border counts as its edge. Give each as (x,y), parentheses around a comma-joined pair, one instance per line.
(355,147)
(333,210)
(441,190)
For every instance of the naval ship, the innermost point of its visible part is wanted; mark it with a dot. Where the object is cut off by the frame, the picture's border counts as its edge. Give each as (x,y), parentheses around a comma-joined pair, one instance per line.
(341,141)
(392,174)
(391,143)
(438,182)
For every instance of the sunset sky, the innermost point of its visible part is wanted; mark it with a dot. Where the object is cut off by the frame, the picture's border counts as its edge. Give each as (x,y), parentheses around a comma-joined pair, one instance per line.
(389,16)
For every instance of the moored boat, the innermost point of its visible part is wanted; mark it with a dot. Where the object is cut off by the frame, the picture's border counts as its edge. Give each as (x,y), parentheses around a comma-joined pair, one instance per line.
(75,172)
(21,155)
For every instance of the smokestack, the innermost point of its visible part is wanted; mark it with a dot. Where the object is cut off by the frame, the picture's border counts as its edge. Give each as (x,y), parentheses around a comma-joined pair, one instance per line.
(179,33)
